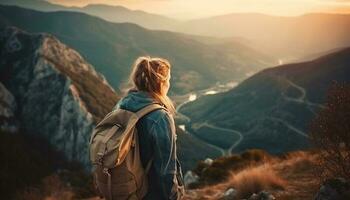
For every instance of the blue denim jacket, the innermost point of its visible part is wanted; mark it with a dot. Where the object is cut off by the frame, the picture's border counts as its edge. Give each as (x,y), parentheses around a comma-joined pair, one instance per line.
(156,131)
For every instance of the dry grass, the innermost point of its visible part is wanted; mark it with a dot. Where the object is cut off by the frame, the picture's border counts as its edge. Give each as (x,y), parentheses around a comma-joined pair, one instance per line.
(299,170)
(290,177)
(247,181)
(52,189)
(256,179)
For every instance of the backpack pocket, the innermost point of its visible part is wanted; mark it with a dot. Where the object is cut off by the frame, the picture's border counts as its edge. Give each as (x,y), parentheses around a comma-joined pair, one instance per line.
(121,191)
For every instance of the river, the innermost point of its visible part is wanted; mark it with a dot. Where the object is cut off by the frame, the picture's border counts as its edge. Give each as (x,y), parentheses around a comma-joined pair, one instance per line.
(193,96)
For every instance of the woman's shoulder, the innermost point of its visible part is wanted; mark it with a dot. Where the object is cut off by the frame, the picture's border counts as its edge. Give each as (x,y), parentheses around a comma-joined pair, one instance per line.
(158,115)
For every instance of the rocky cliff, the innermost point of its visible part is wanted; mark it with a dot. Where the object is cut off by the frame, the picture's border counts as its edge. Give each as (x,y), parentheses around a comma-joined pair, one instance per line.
(58,94)
(7,110)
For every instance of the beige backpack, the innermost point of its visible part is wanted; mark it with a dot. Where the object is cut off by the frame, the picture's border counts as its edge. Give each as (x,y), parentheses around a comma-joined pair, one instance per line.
(114,153)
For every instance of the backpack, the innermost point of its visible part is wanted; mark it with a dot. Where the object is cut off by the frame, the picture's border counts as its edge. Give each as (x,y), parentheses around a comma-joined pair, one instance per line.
(114,153)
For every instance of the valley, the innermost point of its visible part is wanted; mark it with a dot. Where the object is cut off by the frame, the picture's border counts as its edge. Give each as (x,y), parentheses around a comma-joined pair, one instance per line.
(269,110)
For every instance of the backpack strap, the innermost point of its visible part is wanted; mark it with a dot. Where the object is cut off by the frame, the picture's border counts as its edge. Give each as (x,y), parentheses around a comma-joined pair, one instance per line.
(142,113)
(148,109)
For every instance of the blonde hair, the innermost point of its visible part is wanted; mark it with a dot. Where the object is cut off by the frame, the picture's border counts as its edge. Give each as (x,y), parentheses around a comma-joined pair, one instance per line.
(149,74)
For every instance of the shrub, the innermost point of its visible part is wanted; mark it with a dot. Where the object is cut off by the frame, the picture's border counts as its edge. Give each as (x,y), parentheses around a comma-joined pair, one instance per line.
(330,132)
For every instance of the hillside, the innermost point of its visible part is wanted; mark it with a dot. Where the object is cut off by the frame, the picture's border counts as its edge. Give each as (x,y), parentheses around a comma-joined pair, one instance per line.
(112,48)
(272,109)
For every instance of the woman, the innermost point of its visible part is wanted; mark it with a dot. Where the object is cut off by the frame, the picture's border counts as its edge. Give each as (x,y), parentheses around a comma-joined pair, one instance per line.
(150,83)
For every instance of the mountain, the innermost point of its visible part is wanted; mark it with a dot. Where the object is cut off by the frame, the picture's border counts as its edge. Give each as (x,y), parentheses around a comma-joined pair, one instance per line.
(122,14)
(59,96)
(112,48)
(272,109)
(41,5)
(286,37)
(111,13)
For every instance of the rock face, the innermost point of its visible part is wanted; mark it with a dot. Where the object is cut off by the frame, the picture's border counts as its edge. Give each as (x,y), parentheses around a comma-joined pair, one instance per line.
(229,194)
(334,189)
(208,161)
(7,110)
(60,97)
(190,178)
(263,195)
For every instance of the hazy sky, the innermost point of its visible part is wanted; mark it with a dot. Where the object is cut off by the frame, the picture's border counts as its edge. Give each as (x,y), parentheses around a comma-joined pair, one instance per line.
(202,8)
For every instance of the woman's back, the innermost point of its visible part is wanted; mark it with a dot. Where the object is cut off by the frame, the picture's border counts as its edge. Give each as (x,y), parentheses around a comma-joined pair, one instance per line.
(156,132)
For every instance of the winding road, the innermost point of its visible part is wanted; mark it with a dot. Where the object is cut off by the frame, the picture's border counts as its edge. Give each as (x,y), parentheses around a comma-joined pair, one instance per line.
(234,145)
(302,99)
(296,130)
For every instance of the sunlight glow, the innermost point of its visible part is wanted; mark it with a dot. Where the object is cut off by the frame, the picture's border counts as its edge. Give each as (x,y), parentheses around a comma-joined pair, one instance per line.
(203,8)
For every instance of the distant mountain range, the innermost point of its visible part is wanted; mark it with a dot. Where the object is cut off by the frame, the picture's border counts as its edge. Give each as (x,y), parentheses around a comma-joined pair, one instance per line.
(113,47)
(272,109)
(288,38)
(111,13)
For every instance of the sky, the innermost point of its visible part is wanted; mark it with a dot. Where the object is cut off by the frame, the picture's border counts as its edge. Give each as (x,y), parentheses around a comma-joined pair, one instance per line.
(187,9)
